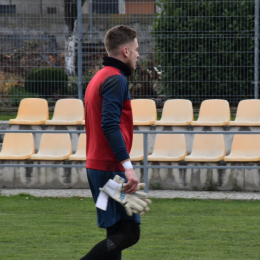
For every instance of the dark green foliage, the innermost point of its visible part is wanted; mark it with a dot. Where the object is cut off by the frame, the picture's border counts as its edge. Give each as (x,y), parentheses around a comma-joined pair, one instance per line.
(210,185)
(206,48)
(47,82)
(16,94)
(235,186)
(73,85)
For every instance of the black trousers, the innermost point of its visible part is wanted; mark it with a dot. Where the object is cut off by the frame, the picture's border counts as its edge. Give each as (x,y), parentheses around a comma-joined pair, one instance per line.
(120,237)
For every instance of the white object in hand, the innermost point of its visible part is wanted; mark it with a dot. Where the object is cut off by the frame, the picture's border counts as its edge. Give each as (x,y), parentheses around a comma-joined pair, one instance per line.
(129,201)
(141,195)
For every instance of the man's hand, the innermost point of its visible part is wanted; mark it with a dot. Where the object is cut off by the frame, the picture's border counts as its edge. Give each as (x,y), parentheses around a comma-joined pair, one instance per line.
(131,202)
(139,193)
(132,184)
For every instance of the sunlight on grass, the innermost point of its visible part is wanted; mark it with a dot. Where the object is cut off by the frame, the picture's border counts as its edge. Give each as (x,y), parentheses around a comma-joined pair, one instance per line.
(65,228)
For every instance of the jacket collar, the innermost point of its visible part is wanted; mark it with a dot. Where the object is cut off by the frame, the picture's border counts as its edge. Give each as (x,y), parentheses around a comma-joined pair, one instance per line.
(109,61)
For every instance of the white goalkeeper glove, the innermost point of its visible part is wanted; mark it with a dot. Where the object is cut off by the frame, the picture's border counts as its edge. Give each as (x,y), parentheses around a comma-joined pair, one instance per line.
(129,201)
(139,194)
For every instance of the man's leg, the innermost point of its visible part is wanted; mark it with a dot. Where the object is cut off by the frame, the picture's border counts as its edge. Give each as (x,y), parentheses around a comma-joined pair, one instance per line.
(127,235)
(110,232)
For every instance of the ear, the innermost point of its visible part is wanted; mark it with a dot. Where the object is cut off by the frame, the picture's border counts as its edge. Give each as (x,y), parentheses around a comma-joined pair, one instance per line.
(125,52)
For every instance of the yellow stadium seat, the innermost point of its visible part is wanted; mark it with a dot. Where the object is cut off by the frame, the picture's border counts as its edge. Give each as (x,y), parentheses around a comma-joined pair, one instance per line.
(67,112)
(248,113)
(80,154)
(137,151)
(176,112)
(17,146)
(213,112)
(207,148)
(54,147)
(32,111)
(169,147)
(245,148)
(144,111)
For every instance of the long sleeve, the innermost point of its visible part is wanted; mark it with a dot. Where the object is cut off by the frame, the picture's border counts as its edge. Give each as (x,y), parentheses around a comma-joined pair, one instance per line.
(114,92)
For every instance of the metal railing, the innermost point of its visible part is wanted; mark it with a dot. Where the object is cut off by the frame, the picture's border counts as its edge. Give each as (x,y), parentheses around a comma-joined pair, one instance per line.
(145,165)
(188,49)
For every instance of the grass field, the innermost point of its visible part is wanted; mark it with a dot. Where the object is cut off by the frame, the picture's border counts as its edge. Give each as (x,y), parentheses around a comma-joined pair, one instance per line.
(12,116)
(7,116)
(55,228)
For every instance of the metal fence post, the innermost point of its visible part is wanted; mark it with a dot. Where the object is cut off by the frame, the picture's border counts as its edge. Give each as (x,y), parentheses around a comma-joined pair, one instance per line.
(79,50)
(91,21)
(256,56)
(145,164)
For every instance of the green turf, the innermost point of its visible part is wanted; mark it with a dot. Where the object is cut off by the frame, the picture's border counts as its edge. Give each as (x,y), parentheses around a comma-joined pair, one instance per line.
(12,116)
(54,228)
(7,116)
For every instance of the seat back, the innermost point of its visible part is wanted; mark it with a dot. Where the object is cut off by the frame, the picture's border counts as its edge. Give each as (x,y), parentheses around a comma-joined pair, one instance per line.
(69,110)
(245,145)
(177,110)
(211,145)
(55,144)
(33,109)
(248,110)
(170,145)
(80,154)
(18,144)
(144,110)
(137,151)
(214,110)
(81,149)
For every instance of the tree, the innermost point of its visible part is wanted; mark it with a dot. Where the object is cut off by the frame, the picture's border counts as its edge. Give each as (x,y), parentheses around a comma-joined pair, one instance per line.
(71,16)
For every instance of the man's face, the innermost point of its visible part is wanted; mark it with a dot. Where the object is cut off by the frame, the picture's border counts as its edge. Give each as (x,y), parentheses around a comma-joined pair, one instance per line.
(133,54)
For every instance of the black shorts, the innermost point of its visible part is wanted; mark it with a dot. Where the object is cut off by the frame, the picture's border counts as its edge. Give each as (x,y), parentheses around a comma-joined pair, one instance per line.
(115,211)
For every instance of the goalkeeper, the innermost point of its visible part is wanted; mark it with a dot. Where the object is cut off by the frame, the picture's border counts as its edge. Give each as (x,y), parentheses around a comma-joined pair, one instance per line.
(109,130)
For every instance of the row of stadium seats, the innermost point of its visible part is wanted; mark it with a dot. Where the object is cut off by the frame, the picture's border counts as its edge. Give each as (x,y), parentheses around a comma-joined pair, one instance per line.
(176,112)
(35,111)
(206,148)
(213,112)
(53,147)
(168,147)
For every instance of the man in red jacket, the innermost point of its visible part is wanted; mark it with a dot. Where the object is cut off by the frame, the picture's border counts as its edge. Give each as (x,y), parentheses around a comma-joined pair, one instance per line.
(109,130)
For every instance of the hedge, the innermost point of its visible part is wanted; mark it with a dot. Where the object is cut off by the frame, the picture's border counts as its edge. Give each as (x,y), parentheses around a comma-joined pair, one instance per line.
(205,48)
(47,81)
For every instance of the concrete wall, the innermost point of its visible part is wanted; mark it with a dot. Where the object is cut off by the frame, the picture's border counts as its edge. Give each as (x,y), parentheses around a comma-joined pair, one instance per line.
(24,23)
(168,179)
(40,6)
(43,178)
(197,179)
(35,7)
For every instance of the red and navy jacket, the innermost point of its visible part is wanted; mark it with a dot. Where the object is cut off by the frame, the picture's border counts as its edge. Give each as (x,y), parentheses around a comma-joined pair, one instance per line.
(108,117)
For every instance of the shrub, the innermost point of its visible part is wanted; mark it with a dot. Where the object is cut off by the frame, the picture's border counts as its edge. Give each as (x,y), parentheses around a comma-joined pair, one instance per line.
(205,48)
(73,85)
(16,94)
(47,82)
